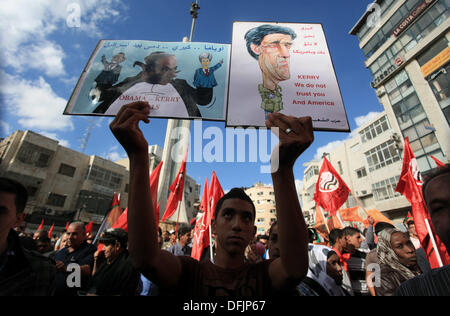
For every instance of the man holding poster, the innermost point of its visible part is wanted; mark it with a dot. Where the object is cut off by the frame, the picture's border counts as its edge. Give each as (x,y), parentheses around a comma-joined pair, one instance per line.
(270,45)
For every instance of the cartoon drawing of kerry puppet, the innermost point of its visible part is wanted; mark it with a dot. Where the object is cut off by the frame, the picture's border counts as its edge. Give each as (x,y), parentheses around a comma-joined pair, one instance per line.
(204,79)
(270,45)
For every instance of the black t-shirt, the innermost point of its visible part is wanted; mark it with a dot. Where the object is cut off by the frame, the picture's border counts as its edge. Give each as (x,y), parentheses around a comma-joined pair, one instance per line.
(117,278)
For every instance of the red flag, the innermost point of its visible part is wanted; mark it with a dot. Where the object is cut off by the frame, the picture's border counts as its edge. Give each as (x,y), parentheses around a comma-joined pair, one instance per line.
(67,226)
(410,186)
(41,226)
(88,227)
(201,229)
(215,193)
(51,231)
(157,214)
(114,213)
(439,163)
(154,179)
(122,221)
(176,191)
(377,216)
(331,190)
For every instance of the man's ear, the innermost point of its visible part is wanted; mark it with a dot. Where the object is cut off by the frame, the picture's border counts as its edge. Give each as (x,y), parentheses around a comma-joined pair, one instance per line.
(255,49)
(213,226)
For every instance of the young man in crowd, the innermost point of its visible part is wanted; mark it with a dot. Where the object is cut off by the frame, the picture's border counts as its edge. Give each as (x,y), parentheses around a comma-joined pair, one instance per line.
(233,223)
(356,262)
(182,248)
(22,272)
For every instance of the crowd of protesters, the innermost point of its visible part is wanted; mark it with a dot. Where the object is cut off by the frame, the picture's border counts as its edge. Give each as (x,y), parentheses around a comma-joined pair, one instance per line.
(285,261)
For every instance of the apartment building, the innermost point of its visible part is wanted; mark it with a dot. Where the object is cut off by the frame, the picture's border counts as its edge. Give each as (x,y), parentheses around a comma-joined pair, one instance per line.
(263,198)
(63,184)
(370,164)
(406,48)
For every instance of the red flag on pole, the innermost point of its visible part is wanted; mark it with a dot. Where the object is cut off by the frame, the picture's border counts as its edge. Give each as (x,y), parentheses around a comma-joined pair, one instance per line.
(154,180)
(41,226)
(176,191)
(51,231)
(350,214)
(439,163)
(215,193)
(201,229)
(122,221)
(410,186)
(115,212)
(88,227)
(67,225)
(331,190)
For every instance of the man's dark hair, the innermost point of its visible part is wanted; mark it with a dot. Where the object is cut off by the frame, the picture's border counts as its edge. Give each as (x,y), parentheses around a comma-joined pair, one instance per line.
(350,231)
(235,193)
(382,226)
(433,174)
(183,230)
(257,34)
(334,235)
(311,235)
(16,188)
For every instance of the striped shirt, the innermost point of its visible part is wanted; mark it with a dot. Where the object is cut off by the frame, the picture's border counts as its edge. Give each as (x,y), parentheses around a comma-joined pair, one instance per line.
(433,283)
(357,272)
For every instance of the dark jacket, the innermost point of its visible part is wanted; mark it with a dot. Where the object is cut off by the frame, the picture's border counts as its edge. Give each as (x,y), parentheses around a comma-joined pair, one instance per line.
(25,273)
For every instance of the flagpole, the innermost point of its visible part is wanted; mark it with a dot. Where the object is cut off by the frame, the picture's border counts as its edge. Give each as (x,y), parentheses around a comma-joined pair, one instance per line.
(430,233)
(210,243)
(325,221)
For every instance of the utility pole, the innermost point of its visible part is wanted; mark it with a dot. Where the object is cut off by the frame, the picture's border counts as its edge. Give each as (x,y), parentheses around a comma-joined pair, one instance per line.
(170,167)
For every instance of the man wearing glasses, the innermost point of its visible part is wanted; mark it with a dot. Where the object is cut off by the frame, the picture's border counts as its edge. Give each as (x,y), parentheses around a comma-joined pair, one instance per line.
(270,46)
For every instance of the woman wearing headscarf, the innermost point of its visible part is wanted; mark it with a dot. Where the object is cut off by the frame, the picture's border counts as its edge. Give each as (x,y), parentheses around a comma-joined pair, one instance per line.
(398,261)
(325,273)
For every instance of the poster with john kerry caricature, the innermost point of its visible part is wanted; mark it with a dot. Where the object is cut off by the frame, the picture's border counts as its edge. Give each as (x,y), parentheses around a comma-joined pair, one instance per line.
(178,79)
(286,68)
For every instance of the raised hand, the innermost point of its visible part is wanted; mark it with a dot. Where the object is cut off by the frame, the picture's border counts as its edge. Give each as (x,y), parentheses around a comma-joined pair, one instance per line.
(125,127)
(295,135)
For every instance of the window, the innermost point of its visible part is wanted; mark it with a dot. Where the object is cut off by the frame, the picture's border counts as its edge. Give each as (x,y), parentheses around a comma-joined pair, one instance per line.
(361,172)
(382,155)
(374,129)
(385,189)
(66,170)
(104,177)
(34,155)
(56,200)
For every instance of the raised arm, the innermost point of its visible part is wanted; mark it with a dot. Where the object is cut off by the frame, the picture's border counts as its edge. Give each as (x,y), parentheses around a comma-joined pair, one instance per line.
(159,266)
(295,135)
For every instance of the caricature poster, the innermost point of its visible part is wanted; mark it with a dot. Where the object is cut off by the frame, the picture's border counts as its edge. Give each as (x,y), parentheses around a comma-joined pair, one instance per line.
(283,67)
(178,79)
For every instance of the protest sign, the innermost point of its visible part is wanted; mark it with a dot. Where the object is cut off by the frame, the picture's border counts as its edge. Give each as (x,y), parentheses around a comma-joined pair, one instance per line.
(177,79)
(283,67)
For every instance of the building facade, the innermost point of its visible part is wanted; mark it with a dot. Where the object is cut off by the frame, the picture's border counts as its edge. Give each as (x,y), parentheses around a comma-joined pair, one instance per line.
(263,198)
(63,184)
(406,49)
(370,164)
